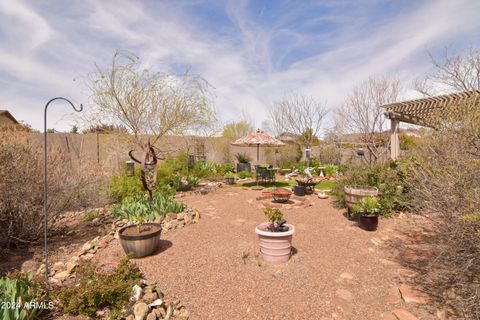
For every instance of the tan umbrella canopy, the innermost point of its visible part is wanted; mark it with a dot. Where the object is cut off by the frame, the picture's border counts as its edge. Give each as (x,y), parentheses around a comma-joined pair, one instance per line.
(258,138)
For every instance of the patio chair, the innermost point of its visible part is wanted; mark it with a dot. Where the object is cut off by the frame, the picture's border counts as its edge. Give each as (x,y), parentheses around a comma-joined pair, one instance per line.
(262,174)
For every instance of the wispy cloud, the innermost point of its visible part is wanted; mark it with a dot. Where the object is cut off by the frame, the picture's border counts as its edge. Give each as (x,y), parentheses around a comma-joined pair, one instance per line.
(252,52)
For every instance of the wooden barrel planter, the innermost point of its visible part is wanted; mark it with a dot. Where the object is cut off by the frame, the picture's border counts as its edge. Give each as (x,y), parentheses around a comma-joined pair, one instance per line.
(354,194)
(281,195)
(143,243)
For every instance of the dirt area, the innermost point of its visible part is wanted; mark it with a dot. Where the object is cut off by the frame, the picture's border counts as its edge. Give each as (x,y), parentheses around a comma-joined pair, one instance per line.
(338,270)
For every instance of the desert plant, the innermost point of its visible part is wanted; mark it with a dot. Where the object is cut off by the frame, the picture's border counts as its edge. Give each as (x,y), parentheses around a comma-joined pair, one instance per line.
(140,209)
(149,104)
(97,291)
(229,175)
(244,174)
(369,206)
(388,178)
(21,298)
(275,217)
(445,179)
(222,169)
(73,183)
(243,158)
(91,215)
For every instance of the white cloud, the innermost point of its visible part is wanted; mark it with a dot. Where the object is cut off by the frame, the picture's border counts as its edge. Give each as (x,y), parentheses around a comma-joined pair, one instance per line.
(251,62)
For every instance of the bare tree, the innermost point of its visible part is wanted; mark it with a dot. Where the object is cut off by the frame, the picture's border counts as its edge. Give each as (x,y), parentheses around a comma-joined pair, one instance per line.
(452,73)
(298,114)
(149,103)
(361,112)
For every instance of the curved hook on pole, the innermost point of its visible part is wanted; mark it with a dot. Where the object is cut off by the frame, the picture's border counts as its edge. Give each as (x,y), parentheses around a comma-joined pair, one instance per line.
(45,186)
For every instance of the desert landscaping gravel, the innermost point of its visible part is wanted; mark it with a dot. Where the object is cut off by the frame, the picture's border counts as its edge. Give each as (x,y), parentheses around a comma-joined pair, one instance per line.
(338,271)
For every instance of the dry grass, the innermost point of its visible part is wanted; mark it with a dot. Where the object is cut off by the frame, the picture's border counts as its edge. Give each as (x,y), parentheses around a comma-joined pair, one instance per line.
(72,184)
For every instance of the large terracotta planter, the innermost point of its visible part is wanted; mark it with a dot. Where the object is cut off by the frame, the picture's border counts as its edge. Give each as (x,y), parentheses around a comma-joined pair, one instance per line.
(140,244)
(276,247)
(281,195)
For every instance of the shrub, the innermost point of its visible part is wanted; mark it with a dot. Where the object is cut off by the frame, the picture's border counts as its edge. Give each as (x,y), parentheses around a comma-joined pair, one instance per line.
(122,186)
(73,183)
(20,289)
(139,209)
(100,290)
(223,169)
(388,178)
(91,215)
(445,179)
(229,175)
(244,174)
(408,142)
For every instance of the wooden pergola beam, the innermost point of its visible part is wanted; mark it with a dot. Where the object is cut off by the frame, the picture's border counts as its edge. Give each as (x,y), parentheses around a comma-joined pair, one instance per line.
(421,112)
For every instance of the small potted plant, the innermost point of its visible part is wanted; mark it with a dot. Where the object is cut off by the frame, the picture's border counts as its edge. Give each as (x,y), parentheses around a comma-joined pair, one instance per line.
(275,237)
(229,178)
(243,162)
(367,211)
(281,195)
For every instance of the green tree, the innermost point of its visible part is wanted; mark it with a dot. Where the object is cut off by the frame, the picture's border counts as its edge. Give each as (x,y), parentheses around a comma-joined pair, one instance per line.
(237,129)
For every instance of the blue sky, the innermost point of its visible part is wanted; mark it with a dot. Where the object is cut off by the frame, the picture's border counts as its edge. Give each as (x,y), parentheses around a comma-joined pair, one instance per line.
(252,52)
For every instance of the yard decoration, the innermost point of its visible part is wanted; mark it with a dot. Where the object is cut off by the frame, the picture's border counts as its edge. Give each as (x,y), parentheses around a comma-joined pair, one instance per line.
(368,211)
(275,237)
(45,174)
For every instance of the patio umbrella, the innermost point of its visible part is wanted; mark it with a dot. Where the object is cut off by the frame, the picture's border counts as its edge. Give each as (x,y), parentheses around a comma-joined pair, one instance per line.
(258,138)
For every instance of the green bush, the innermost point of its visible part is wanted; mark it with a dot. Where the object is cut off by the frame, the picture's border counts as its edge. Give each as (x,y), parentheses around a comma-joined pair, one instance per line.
(244,174)
(139,209)
(388,178)
(330,170)
(225,168)
(368,206)
(20,289)
(229,175)
(97,291)
(122,186)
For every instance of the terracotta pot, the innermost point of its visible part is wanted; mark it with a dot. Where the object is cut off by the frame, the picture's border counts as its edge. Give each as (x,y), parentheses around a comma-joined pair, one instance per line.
(276,247)
(140,244)
(281,195)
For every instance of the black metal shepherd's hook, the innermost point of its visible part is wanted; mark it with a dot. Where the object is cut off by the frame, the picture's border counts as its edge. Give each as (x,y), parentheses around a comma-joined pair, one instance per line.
(45,186)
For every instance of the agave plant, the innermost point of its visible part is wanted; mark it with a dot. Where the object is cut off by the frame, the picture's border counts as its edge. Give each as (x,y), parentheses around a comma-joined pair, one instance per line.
(19,298)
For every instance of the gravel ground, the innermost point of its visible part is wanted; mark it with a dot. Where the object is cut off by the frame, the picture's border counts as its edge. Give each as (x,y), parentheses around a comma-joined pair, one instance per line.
(213,267)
